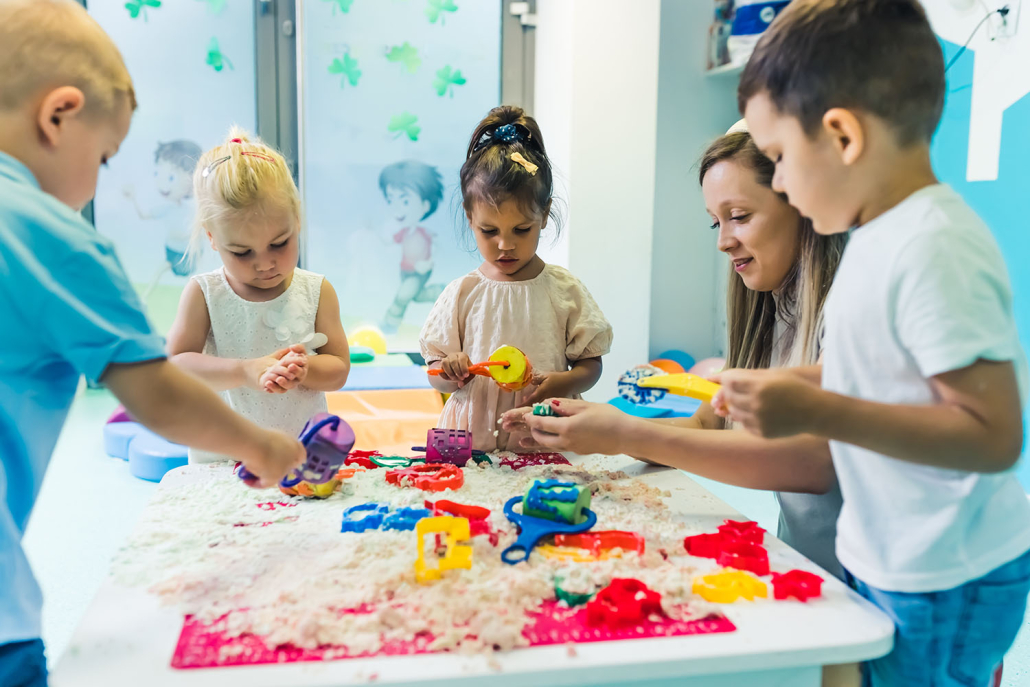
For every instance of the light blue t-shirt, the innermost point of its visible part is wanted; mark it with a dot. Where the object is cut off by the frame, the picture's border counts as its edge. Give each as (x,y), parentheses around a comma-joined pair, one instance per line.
(66,310)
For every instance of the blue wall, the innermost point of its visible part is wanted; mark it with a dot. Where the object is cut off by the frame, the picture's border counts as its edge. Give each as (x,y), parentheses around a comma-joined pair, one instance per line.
(1004,203)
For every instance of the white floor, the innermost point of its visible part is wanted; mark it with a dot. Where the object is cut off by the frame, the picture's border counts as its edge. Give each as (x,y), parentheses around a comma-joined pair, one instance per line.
(89,504)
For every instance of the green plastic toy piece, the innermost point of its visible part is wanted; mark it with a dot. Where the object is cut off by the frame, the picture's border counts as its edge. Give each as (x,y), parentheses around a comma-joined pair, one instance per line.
(571,599)
(558,501)
(395,461)
(545,409)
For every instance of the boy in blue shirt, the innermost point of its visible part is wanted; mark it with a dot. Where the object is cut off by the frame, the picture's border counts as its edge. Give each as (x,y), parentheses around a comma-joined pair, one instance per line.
(923,379)
(66,101)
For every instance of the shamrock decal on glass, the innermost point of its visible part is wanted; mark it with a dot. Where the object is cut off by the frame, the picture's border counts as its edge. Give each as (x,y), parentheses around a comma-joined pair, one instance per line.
(215,58)
(406,55)
(446,80)
(435,10)
(137,7)
(342,5)
(214,6)
(404,123)
(348,66)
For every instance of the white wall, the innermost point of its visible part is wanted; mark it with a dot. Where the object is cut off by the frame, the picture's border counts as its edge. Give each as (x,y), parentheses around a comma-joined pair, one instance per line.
(688,275)
(596,99)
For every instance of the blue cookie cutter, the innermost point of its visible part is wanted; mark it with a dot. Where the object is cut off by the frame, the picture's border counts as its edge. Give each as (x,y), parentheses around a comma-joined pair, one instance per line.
(532,530)
(405,518)
(364,516)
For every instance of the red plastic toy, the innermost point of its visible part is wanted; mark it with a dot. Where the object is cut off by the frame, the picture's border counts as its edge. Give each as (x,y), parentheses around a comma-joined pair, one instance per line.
(705,545)
(746,530)
(429,477)
(596,542)
(362,458)
(624,602)
(743,555)
(799,584)
(477,517)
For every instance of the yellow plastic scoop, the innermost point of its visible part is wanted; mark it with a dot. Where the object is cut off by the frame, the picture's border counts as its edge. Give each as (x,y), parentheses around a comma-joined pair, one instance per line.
(682,384)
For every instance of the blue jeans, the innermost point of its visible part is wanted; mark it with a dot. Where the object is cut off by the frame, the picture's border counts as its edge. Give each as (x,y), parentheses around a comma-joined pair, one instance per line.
(22,664)
(952,638)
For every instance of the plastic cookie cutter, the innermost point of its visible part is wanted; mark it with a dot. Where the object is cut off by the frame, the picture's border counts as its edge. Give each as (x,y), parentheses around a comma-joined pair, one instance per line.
(556,500)
(328,441)
(532,530)
(347,472)
(624,602)
(452,446)
(508,366)
(729,585)
(456,556)
(362,459)
(428,477)
(405,518)
(746,530)
(364,516)
(600,546)
(744,555)
(682,384)
(570,598)
(477,516)
(395,461)
(799,584)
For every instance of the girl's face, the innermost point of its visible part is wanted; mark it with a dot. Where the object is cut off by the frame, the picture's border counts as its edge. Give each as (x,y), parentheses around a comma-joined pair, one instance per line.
(758,230)
(259,248)
(507,238)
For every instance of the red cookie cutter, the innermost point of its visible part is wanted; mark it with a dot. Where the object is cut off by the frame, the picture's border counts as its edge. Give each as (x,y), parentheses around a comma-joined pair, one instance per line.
(705,545)
(747,530)
(429,477)
(362,458)
(477,516)
(800,584)
(598,542)
(743,555)
(624,602)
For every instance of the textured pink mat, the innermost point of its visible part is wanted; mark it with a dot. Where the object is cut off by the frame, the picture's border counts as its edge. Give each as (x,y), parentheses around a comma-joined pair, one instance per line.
(202,647)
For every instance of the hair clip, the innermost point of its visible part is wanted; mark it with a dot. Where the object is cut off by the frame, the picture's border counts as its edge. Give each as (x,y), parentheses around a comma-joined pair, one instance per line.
(211,167)
(506,133)
(526,164)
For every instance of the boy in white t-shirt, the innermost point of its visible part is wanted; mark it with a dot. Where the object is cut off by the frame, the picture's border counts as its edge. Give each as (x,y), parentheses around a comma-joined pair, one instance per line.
(923,377)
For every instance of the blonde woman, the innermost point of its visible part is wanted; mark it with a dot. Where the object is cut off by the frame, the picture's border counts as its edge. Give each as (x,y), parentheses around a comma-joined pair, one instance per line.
(252,328)
(782,271)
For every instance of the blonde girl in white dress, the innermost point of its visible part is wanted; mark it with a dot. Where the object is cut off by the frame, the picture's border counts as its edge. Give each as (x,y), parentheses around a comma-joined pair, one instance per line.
(513,298)
(259,329)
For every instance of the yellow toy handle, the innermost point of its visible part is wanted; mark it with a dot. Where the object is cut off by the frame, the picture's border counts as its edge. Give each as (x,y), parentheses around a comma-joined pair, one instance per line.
(682,384)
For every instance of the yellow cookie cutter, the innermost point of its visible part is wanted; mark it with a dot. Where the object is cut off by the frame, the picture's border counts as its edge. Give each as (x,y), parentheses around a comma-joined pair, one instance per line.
(578,555)
(457,556)
(727,586)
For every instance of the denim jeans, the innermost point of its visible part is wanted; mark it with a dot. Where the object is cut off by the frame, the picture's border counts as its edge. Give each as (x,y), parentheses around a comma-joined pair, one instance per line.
(951,638)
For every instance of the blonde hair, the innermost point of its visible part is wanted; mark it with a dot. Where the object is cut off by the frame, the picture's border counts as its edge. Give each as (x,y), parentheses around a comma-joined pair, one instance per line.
(239,175)
(751,315)
(47,44)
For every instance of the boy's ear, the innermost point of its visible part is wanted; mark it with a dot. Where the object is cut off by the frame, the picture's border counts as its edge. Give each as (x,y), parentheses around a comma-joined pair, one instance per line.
(59,106)
(846,133)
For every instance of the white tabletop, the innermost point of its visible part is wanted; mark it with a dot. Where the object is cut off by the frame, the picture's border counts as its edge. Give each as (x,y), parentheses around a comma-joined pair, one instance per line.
(126,638)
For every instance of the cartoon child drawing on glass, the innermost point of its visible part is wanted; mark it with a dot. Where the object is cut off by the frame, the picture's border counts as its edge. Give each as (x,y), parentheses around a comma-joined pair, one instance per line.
(173,178)
(413,191)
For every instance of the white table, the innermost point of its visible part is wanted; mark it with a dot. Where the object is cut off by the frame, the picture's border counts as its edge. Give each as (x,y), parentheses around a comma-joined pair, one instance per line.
(127,639)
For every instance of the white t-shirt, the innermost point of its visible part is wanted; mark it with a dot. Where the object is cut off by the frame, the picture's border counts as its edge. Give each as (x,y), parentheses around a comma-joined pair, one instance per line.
(921,290)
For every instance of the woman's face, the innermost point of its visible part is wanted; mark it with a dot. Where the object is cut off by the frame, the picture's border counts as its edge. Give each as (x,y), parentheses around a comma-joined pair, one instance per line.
(758,230)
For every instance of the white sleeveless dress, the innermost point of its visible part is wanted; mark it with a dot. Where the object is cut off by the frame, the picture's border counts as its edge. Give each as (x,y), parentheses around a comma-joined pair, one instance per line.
(245,329)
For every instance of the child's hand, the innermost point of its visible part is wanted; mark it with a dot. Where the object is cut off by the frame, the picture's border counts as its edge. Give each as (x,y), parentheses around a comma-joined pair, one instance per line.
(256,369)
(278,455)
(289,373)
(581,427)
(514,420)
(549,385)
(455,368)
(768,403)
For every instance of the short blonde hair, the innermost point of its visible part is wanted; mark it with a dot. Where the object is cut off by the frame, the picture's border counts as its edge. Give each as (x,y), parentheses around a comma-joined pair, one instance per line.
(46,44)
(240,174)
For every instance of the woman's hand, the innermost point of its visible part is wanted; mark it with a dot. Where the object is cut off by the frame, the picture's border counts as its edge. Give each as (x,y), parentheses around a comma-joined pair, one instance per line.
(580,427)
